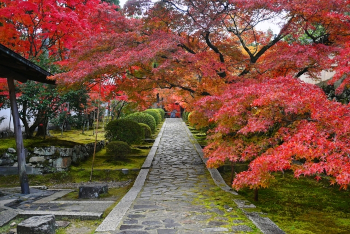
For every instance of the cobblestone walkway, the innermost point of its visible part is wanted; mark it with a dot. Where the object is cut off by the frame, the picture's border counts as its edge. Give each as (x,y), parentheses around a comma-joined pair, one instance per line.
(174,198)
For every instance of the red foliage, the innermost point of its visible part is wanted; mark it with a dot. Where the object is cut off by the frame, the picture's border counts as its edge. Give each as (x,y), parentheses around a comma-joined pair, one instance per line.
(239,82)
(34,26)
(276,122)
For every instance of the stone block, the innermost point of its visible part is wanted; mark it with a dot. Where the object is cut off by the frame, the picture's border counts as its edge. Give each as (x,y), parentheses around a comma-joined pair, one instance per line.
(77,148)
(65,152)
(37,159)
(6,155)
(47,151)
(6,162)
(37,224)
(62,163)
(92,191)
(75,157)
(11,150)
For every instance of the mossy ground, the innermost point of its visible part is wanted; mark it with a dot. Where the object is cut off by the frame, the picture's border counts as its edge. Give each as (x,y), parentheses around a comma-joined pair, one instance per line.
(301,206)
(304,205)
(214,198)
(68,139)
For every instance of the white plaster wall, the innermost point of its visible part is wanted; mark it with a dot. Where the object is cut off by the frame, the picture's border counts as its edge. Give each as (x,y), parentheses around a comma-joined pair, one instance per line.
(8,122)
(325,75)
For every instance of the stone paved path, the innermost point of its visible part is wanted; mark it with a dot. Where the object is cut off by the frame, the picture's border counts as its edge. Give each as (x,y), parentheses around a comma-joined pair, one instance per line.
(174,198)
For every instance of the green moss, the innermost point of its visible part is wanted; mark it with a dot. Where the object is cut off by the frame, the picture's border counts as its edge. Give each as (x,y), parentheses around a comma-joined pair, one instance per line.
(6,228)
(214,198)
(303,205)
(68,140)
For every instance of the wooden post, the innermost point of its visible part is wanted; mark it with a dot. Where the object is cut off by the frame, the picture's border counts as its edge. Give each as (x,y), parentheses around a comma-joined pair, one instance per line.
(96,132)
(23,178)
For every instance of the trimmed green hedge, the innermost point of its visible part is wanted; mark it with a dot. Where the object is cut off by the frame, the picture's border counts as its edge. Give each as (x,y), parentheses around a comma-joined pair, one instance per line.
(147,129)
(155,114)
(145,118)
(185,115)
(161,112)
(118,149)
(125,130)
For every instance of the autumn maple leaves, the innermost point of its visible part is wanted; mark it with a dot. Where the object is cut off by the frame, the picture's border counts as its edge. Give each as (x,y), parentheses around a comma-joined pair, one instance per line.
(278,124)
(239,82)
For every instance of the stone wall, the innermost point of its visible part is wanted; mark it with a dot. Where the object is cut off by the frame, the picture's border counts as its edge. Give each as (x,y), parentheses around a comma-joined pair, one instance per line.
(51,159)
(6,134)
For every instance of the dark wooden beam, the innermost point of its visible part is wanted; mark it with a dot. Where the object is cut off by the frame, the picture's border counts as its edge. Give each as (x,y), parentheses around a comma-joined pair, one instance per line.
(8,73)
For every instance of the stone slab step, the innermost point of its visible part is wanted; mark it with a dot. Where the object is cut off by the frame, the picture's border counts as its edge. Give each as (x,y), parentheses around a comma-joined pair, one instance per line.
(10,214)
(54,196)
(63,214)
(83,202)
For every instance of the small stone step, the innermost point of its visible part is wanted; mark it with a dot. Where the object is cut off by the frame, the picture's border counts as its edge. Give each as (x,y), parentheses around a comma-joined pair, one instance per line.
(37,224)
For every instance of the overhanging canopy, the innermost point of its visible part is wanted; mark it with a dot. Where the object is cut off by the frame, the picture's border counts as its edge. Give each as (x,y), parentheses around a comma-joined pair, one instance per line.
(13,65)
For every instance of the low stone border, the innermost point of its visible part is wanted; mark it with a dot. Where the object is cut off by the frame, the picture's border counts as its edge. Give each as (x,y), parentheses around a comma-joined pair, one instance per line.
(65,214)
(111,222)
(266,225)
(218,180)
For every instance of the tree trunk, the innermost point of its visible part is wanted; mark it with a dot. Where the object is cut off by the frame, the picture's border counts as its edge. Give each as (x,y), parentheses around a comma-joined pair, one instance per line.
(256,194)
(232,172)
(24,120)
(42,128)
(23,178)
(120,109)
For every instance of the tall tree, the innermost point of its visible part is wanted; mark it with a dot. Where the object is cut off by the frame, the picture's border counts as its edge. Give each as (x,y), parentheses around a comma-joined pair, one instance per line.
(240,81)
(45,32)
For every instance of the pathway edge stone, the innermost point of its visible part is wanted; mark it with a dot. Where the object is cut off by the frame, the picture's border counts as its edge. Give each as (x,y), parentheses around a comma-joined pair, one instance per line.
(113,219)
(148,162)
(266,225)
(219,181)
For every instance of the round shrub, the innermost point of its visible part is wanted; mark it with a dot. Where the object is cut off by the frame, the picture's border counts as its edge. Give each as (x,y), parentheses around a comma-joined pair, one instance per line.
(143,118)
(125,130)
(118,149)
(147,129)
(185,115)
(155,114)
(161,112)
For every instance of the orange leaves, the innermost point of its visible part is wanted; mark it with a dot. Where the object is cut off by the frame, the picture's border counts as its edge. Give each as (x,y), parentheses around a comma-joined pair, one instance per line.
(274,123)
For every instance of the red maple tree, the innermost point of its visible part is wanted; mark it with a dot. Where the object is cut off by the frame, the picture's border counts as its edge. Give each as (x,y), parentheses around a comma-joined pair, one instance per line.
(241,82)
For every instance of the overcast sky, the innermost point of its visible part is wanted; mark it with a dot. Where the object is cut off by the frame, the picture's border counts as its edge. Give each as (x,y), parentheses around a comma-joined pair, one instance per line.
(122,2)
(262,26)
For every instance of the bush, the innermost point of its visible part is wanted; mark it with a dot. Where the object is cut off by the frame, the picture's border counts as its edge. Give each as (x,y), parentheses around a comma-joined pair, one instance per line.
(161,112)
(125,130)
(140,117)
(118,149)
(155,114)
(185,115)
(147,129)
